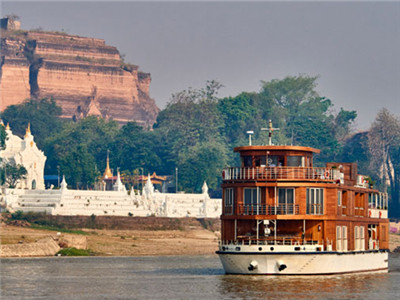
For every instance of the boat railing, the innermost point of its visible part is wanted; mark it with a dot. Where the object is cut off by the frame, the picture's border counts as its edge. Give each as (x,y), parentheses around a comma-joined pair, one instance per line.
(268,210)
(228,210)
(289,241)
(272,173)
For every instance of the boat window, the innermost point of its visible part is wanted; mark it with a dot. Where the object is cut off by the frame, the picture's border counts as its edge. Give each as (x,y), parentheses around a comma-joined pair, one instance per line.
(286,201)
(338,238)
(251,196)
(339,198)
(295,161)
(362,238)
(359,238)
(344,238)
(275,161)
(356,239)
(229,201)
(315,201)
(247,161)
(341,238)
(260,161)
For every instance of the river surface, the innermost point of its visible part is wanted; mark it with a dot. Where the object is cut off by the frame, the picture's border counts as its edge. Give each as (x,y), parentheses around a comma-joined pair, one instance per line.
(177,277)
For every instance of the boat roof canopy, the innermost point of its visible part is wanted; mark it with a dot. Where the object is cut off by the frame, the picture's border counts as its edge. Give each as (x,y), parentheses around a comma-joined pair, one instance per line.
(277,148)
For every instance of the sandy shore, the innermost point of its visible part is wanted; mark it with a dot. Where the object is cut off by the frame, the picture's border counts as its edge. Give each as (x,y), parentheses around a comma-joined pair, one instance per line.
(194,240)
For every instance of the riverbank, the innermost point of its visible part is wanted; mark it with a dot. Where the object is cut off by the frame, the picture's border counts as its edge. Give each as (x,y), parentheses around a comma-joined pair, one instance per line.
(191,238)
(149,238)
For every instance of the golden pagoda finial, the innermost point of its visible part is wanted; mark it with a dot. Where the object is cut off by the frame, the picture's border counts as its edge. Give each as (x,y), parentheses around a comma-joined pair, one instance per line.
(8,126)
(107,172)
(28,130)
(1,123)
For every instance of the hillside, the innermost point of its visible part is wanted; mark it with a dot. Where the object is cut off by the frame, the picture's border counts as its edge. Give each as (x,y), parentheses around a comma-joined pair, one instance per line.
(82,74)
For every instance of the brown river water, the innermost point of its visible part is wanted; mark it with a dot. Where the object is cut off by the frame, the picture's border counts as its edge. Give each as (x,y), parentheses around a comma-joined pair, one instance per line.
(177,277)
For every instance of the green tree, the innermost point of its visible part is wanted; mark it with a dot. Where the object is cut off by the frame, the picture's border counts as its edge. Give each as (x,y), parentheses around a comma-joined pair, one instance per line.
(134,148)
(239,115)
(290,92)
(11,174)
(43,115)
(202,162)
(78,149)
(3,136)
(342,124)
(79,166)
(355,149)
(191,117)
(305,118)
(384,150)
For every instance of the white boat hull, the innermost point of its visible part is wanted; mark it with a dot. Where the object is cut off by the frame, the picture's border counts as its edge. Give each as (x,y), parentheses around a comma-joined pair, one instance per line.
(305,263)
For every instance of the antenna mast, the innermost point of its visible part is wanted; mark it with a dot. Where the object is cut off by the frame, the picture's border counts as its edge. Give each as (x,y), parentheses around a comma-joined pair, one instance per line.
(270,130)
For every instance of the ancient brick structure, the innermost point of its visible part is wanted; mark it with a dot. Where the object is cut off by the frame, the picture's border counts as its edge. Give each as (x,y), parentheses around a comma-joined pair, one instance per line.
(83,75)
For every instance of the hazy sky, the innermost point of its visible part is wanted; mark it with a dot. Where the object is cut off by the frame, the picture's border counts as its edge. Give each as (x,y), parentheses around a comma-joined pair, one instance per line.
(354,47)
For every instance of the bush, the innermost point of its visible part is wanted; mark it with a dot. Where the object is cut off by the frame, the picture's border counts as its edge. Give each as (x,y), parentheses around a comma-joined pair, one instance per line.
(74,252)
(18,215)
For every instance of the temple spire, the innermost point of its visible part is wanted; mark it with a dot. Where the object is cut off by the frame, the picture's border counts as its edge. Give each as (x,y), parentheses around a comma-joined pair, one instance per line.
(204,189)
(64,184)
(28,130)
(107,172)
(119,186)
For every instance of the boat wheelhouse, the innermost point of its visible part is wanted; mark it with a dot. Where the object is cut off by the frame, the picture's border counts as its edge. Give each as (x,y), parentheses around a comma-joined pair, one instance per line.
(283,216)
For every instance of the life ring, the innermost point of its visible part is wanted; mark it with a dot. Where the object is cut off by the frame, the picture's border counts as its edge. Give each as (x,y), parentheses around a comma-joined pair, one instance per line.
(380,214)
(327,174)
(369,213)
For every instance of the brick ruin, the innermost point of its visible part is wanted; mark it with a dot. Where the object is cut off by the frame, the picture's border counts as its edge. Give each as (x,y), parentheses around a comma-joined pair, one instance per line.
(83,75)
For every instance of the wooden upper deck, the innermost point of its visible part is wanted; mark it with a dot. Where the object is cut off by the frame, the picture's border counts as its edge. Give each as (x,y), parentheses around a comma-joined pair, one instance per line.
(281,183)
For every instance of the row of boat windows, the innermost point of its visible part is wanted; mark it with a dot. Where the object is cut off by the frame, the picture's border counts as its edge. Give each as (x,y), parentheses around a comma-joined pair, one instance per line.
(274,161)
(375,200)
(314,199)
(285,199)
(341,238)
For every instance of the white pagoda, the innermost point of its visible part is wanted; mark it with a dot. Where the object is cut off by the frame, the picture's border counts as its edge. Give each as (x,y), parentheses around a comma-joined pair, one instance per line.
(25,152)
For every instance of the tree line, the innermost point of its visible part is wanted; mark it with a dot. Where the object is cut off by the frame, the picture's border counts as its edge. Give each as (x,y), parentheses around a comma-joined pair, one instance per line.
(196,132)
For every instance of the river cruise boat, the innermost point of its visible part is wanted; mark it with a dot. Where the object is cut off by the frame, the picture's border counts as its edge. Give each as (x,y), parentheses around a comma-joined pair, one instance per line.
(283,216)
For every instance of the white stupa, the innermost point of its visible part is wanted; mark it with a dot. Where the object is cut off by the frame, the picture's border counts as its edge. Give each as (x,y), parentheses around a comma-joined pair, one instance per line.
(25,152)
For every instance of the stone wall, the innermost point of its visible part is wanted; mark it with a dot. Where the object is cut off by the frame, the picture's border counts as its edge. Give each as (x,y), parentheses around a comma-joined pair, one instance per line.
(44,247)
(47,246)
(112,203)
